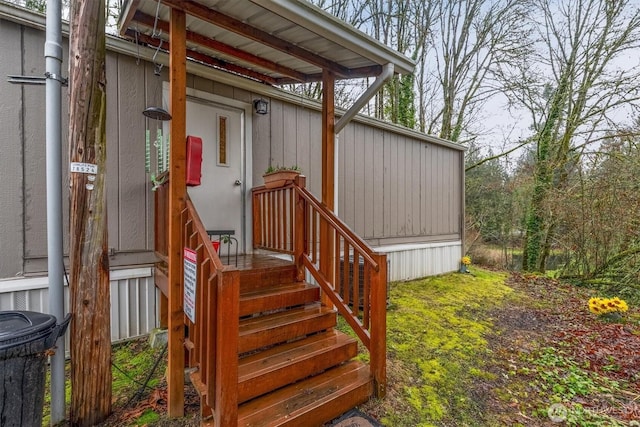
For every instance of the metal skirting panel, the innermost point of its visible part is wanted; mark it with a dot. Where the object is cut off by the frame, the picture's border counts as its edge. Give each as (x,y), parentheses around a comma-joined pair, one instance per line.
(134,307)
(407,262)
(413,261)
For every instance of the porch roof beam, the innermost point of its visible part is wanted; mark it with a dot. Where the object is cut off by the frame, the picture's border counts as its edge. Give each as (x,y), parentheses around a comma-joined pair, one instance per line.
(193,37)
(354,73)
(199,56)
(228,23)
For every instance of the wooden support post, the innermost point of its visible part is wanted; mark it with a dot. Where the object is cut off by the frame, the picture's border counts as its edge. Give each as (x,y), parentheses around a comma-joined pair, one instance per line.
(378,350)
(328,139)
(177,197)
(328,177)
(227,336)
(300,231)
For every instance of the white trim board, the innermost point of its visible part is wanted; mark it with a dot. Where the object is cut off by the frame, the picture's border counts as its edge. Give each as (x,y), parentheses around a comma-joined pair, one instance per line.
(42,282)
(413,246)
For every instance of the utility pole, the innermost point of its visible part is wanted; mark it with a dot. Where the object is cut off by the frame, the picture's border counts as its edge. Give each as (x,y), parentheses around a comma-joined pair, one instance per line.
(88,254)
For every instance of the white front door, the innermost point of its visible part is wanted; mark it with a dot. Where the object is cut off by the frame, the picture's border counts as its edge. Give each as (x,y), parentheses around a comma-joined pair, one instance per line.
(219,197)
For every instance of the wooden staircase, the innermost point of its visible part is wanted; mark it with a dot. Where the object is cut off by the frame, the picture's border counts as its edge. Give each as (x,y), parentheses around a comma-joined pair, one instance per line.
(261,340)
(294,368)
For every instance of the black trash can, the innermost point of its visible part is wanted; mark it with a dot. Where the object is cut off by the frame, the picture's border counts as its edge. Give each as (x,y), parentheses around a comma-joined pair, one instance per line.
(25,337)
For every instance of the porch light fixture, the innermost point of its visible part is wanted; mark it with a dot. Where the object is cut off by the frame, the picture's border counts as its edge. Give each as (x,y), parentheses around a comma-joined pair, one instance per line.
(261,106)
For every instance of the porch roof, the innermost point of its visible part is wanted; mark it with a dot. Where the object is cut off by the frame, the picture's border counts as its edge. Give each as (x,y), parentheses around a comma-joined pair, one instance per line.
(271,41)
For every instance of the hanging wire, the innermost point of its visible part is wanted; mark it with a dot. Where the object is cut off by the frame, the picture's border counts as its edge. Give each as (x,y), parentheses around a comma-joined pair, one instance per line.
(155,23)
(138,47)
(157,66)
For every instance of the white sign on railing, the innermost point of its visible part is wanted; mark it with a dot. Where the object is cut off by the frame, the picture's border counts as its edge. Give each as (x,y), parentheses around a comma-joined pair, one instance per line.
(190,276)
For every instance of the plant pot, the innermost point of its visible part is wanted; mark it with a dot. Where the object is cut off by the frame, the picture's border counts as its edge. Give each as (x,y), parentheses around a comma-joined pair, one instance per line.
(279,178)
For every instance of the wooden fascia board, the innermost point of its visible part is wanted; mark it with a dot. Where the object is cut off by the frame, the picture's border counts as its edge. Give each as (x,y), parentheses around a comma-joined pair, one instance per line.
(228,23)
(206,59)
(193,37)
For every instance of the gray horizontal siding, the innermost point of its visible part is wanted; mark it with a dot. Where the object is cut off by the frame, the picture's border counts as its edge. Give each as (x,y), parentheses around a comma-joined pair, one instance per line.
(131,87)
(392,187)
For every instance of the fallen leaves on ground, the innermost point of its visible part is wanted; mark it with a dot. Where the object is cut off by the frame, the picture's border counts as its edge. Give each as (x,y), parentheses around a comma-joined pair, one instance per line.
(548,314)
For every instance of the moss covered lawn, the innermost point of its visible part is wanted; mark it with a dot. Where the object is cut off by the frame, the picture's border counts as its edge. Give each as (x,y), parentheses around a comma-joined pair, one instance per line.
(491,349)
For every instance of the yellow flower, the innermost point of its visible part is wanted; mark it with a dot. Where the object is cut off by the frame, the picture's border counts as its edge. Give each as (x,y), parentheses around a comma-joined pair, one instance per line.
(466,260)
(607,305)
(623,306)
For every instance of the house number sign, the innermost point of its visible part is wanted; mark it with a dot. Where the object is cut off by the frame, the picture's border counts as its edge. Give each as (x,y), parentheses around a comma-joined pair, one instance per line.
(89,168)
(190,276)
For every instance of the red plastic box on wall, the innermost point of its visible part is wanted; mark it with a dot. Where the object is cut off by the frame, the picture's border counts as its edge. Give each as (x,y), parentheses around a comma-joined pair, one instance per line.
(194,160)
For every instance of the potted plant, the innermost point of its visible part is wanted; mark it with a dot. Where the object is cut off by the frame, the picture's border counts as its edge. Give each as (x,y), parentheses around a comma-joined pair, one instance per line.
(279,176)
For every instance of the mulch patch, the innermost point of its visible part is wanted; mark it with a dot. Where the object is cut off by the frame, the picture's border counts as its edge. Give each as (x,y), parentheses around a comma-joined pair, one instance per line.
(548,313)
(156,400)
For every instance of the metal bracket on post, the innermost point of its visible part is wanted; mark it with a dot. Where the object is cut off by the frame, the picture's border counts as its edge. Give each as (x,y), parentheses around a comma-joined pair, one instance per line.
(26,80)
(63,81)
(36,80)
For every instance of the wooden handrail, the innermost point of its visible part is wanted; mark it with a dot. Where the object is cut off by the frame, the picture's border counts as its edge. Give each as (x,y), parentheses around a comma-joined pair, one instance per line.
(212,340)
(352,238)
(351,275)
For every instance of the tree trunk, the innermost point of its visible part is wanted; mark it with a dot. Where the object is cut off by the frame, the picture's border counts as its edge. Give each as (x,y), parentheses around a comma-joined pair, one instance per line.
(537,220)
(90,303)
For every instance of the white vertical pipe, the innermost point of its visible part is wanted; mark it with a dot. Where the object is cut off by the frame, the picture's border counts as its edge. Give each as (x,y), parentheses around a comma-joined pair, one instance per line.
(53,66)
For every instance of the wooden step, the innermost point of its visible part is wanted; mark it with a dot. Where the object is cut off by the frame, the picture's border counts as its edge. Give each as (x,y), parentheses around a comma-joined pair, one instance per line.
(271,329)
(266,276)
(311,402)
(285,364)
(277,297)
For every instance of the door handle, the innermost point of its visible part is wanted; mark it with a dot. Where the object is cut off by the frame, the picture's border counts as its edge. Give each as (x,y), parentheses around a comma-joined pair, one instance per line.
(238,182)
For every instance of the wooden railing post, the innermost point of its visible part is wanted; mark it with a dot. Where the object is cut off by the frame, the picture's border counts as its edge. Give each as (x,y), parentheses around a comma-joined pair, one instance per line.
(227,327)
(257,220)
(378,350)
(300,230)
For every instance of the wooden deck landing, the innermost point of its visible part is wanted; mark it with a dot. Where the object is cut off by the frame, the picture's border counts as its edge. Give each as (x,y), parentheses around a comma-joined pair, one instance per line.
(258,262)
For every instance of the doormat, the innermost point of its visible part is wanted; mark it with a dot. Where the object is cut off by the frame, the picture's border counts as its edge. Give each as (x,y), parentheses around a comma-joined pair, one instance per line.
(355,418)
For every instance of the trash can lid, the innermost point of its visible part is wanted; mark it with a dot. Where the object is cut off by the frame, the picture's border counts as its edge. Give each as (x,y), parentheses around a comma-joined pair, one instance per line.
(21,327)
